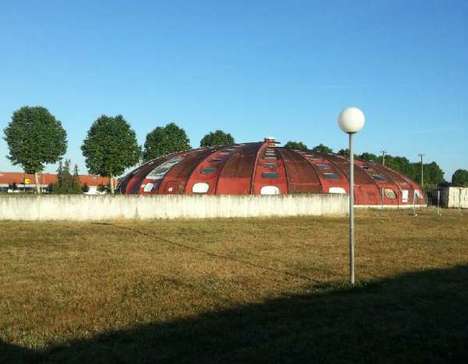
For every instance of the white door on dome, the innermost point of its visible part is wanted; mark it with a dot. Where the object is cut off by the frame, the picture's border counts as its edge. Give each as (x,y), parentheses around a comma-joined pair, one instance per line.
(269,190)
(200,187)
(336,190)
(404,196)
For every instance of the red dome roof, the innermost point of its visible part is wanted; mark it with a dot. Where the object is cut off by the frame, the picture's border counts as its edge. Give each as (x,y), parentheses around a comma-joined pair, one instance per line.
(264,169)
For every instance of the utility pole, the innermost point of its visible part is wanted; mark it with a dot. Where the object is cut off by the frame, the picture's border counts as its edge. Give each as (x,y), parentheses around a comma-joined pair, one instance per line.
(422,169)
(383,156)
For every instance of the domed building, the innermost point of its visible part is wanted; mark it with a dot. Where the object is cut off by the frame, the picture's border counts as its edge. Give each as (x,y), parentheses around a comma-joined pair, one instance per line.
(264,169)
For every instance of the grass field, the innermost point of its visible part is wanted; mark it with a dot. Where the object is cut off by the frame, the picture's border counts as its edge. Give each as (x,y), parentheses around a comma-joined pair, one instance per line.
(236,290)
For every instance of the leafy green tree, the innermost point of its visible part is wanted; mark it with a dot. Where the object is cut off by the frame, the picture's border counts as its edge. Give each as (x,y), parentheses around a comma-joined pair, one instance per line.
(35,138)
(344,152)
(57,186)
(369,157)
(164,140)
(218,137)
(296,145)
(110,147)
(322,149)
(66,182)
(76,184)
(460,178)
(433,174)
(400,164)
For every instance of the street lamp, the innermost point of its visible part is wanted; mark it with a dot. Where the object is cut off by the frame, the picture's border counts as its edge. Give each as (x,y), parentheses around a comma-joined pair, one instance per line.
(351,120)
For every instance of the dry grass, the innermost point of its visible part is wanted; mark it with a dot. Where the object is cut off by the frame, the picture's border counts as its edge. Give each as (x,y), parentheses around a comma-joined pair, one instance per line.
(65,285)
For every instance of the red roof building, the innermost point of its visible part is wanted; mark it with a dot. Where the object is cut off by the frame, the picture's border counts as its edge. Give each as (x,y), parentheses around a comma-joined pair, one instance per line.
(264,169)
(45,179)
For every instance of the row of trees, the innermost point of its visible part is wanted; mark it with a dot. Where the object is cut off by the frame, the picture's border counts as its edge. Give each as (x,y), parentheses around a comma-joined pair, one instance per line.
(36,138)
(432,173)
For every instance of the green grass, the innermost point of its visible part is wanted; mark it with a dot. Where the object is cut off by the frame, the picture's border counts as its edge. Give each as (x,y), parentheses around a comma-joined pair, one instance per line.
(236,290)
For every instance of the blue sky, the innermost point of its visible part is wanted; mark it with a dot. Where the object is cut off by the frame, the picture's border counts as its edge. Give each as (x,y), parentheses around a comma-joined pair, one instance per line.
(252,68)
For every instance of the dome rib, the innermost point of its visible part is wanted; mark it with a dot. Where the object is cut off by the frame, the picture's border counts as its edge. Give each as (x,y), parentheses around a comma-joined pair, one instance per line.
(236,176)
(340,182)
(260,150)
(228,159)
(133,185)
(302,174)
(175,180)
(361,194)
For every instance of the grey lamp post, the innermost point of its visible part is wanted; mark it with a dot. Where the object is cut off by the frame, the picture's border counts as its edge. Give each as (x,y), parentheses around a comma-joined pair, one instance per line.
(351,120)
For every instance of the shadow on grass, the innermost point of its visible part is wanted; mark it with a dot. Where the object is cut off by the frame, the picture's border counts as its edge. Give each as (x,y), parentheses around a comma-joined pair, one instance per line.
(418,317)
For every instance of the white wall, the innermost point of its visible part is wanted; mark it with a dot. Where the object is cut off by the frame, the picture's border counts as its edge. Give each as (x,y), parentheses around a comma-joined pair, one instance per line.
(456,197)
(79,207)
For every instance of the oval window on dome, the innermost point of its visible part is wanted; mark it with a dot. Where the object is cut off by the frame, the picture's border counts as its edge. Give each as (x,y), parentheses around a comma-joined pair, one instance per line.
(378,177)
(270,175)
(208,170)
(390,194)
(330,175)
(200,187)
(269,190)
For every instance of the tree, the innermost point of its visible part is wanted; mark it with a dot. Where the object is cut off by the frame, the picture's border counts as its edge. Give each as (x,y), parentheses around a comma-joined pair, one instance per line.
(369,157)
(35,138)
(460,178)
(344,152)
(322,149)
(433,174)
(296,145)
(66,182)
(400,164)
(164,140)
(110,147)
(76,184)
(218,137)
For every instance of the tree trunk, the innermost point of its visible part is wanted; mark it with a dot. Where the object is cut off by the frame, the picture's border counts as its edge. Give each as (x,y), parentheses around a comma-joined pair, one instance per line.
(36,177)
(112,184)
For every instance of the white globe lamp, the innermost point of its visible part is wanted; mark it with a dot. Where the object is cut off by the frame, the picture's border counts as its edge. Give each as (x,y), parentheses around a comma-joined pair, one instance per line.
(351,120)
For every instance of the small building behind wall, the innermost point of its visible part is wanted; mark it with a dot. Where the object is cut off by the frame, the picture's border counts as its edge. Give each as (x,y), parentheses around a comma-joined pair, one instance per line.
(23,182)
(454,197)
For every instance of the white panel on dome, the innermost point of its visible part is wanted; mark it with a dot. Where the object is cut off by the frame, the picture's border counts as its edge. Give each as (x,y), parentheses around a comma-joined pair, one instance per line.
(336,190)
(148,187)
(160,171)
(200,187)
(269,190)
(404,196)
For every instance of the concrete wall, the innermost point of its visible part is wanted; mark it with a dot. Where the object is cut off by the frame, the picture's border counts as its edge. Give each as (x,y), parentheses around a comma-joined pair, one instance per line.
(78,207)
(455,197)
